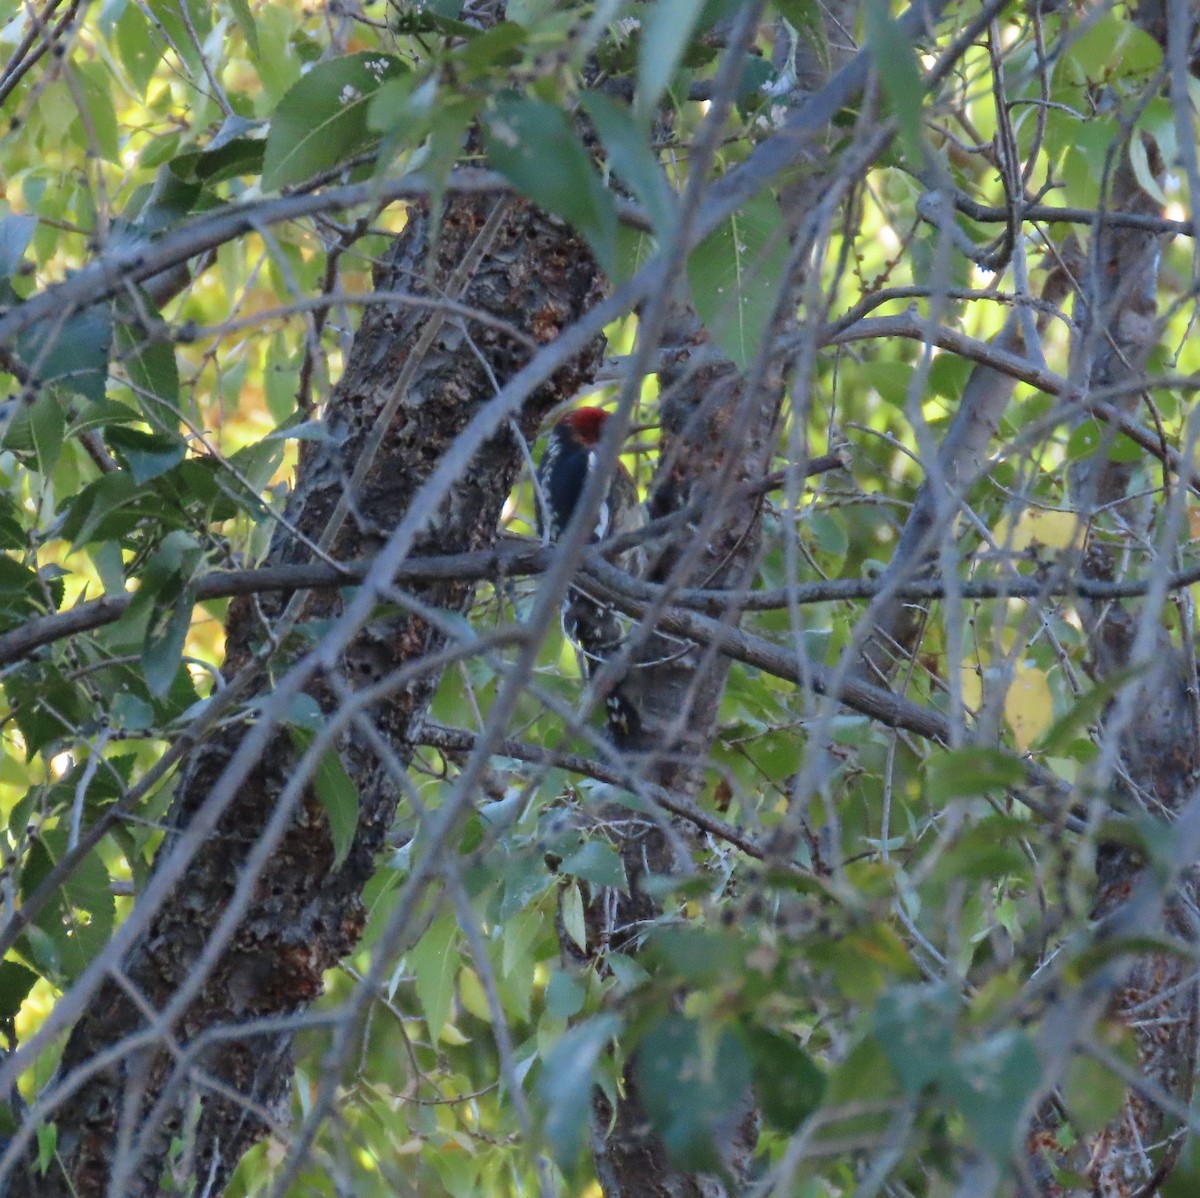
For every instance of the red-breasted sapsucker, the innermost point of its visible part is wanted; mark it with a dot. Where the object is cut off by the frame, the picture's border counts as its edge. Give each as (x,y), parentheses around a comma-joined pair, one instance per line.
(563,471)
(561,476)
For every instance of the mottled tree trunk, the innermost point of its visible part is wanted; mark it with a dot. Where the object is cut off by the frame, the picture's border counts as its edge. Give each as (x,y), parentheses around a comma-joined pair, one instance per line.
(1151,757)
(512,262)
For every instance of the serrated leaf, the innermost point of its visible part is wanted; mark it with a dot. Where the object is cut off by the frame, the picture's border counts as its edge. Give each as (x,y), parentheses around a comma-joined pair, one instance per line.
(36,431)
(690,1079)
(787,1082)
(599,863)
(162,651)
(47,707)
(146,454)
(79,920)
(16,981)
(963,773)
(915,1028)
(245,20)
(322,120)
(565,1085)
(571,910)
(895,59)
(140,52)
(72,352)
(241,156)
(15,235)
(153,372)
(990,1085)
(434,964)
(630,156)
(12,527)
(533,146)
(735,275)
(666,30)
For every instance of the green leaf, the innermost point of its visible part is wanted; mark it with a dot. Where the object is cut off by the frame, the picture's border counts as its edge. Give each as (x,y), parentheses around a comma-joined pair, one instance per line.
(804,16)
(565,1086)
(787,1082)
(690,1080)
(434,964)
(1092,1092)
(140,51)
(666,30)
(162,651)
(79,920)
(322,120)
(17,579)
(72,352)
(103,509)
(47,707)
(598,862)
(98,131)
(735,274)
(532,144)
(630,156)
(990,1085)
(153,373)
(896,62)
(966,772)
(698,956)
(571,910)
(564,995)
(338,796)
(16,981)
(36,431)
(47,1140)
(241,156)
(161,206)
(1086,710)
(147,455)
(12,528)
(915,1028)
(245,20)
(1112,44)
(15,235)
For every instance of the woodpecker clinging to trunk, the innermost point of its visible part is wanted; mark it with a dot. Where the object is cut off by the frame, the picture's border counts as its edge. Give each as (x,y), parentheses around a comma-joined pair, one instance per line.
(561,476)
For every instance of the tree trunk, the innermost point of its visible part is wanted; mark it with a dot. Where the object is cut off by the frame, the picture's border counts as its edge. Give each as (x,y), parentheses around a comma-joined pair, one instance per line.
(197,1078)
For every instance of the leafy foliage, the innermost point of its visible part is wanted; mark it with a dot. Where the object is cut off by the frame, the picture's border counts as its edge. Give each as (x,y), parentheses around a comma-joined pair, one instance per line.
(889,973)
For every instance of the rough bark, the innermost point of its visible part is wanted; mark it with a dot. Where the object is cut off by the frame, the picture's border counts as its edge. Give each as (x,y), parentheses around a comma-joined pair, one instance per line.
(1149,734)
(719,432)
(512,262)
(714,440)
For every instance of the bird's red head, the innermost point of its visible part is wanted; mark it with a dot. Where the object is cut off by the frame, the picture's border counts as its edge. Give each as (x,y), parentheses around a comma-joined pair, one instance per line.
(587,424)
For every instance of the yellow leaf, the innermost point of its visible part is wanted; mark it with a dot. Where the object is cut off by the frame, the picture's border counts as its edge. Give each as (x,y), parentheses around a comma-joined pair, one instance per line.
(471,994)
(1055,530)
(452,1036)
(572,915)
(1028,707)
(972,688)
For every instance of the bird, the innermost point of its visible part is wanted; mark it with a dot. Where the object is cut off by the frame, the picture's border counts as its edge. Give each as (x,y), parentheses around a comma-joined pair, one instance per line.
(569,458)
(562,473)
